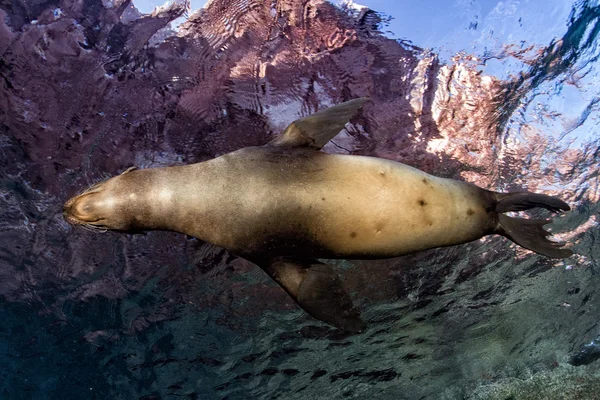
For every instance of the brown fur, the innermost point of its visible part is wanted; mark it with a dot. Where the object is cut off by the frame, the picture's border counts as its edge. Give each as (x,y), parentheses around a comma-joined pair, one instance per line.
(291,202)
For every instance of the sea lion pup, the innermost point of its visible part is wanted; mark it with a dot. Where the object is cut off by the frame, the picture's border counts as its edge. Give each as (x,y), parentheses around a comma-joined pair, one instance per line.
(286,204)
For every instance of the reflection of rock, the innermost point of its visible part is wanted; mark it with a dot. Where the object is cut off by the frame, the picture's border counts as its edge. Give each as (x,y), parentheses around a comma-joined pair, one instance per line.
(83,95)
(245,66)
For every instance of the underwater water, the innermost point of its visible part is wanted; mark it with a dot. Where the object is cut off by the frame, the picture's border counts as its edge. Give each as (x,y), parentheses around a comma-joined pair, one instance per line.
(503,94)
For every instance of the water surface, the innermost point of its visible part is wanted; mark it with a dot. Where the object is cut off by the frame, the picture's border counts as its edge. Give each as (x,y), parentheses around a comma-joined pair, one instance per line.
(499,93)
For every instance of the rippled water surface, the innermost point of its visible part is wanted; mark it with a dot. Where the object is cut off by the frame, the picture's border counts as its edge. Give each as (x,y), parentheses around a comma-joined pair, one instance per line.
(503,94)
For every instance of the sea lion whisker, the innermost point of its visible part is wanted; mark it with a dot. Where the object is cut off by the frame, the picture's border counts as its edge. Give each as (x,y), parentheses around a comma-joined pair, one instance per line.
(93,188)
(86,228)
(94,228)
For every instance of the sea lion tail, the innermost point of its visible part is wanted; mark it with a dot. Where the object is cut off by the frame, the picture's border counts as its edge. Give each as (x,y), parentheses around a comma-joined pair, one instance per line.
(530,233)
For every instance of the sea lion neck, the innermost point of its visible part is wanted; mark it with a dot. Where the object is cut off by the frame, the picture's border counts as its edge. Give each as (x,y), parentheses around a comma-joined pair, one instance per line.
(160,198)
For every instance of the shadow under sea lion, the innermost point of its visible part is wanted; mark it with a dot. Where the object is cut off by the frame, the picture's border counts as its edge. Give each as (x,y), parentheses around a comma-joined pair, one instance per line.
(286,204)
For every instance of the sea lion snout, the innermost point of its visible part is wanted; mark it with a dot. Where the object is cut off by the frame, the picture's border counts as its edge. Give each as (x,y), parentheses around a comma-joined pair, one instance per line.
(82,209)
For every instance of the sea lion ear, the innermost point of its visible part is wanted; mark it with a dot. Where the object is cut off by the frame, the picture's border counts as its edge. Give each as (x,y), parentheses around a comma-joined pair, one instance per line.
(129,170)
(318,289)
(319,128)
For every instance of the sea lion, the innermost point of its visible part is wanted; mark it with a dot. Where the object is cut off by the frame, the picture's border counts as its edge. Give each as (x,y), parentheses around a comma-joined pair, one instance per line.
(286,204)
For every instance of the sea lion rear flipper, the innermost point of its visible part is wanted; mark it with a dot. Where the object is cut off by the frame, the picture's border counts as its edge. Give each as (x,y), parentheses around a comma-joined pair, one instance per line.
(318,289)
(319,128)
(530,233)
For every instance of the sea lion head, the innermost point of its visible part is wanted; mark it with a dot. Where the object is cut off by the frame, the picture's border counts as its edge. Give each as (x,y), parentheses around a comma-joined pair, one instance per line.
(103,206)
(94,208)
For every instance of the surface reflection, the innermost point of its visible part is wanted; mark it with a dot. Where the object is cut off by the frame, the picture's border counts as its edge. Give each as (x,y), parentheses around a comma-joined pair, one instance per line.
(90,89)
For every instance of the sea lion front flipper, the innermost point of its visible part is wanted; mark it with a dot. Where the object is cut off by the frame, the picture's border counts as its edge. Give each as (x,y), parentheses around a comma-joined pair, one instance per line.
(319,128)
(318,289)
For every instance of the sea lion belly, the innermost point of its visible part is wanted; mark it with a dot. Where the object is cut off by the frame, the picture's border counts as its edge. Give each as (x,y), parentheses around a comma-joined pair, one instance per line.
(380,208)
(267,200)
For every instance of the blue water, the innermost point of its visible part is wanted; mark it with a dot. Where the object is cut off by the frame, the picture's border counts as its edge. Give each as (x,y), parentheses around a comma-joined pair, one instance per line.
(503,94)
